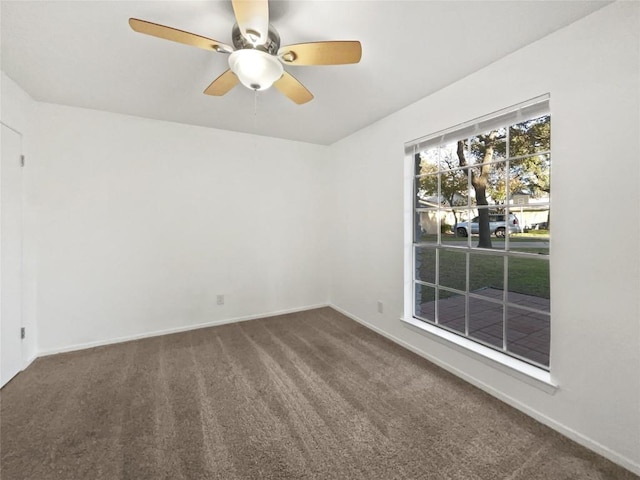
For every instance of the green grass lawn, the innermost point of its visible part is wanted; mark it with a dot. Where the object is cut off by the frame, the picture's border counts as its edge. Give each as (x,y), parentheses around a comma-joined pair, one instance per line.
(529,276)
(532,236)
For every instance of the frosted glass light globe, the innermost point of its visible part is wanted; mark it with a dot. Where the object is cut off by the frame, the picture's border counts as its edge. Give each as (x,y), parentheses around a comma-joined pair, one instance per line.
(256,69)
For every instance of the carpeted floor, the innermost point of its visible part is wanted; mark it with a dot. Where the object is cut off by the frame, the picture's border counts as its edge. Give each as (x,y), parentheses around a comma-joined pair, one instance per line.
(311,395)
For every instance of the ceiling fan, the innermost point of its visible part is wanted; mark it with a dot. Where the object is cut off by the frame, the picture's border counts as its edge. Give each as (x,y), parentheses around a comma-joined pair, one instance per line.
(256,59)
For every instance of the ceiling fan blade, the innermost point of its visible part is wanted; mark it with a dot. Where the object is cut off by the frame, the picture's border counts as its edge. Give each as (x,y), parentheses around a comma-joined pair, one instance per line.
(293,89)
(253,19)
(321,53)
(222,84)
(180,36)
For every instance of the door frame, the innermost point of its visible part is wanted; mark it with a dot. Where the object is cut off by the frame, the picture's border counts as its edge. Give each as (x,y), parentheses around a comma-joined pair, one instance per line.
(20,286)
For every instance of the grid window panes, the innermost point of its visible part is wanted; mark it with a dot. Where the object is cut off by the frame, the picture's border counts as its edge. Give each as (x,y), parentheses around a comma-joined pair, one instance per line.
(481,235)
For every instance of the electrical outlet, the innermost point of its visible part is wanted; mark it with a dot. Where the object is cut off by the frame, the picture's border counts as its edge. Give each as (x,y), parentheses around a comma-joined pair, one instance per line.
(380,307)
(220,299)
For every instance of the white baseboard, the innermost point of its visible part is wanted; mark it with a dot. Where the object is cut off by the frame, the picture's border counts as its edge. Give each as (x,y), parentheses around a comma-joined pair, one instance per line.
(549,422)
(167,331)
(29,361)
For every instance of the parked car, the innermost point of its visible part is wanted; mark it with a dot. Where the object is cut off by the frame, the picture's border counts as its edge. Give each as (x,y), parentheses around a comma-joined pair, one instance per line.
(497,225)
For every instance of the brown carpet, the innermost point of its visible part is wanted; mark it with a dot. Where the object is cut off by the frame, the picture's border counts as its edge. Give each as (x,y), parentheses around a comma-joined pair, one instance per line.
(311,395)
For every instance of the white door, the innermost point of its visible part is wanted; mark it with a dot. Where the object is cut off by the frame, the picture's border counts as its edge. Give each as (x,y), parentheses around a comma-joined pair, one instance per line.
(10,255)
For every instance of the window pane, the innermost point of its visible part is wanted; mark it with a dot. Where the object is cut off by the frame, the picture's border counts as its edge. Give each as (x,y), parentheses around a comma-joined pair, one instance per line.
(528,282)
(425,264)
(535,237)
(489,146)
(425,306)
(530,136)
(528,334)
(529,190)
(450,220)
(500,144)
(496,191)
(486,275)
(454,188)
(495,224)
(426,192)
(426,226)
(453,269)
(449,156)
(483,154)
(514,225)
(451,310)
(426,162)
(460,227)
(465,223)
(486,321)
(529,180)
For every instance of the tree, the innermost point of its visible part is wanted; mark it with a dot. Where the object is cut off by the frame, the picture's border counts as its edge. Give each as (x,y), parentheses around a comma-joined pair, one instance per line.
(532,172)
(529,174)
(453,187)
(480,161)
(528,138)
(480,180)
(453,183)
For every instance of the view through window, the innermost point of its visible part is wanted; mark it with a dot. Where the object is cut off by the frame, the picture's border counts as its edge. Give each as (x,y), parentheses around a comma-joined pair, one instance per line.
(481,233)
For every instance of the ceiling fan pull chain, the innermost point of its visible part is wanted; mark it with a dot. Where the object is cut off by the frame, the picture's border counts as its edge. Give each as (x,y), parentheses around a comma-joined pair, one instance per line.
(255,106)
(255,116)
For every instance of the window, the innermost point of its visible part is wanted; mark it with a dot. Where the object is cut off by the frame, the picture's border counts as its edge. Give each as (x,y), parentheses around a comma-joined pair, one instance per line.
(481,210)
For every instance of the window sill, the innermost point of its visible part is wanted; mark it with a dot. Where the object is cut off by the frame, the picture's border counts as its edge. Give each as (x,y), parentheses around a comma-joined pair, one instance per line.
(534,376)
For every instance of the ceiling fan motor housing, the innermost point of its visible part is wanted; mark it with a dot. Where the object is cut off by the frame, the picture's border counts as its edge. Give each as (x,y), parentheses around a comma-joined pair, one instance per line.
(271,46)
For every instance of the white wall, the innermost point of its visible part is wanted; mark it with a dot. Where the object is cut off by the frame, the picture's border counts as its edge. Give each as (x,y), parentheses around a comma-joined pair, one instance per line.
(591,69)
(142,223)
(134,226)
(16,111)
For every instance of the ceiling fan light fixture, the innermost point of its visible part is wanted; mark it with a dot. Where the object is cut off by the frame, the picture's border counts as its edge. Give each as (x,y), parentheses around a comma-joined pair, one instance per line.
(256,69)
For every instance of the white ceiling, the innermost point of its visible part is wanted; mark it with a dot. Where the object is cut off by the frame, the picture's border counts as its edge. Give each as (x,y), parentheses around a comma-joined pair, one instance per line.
(83,53)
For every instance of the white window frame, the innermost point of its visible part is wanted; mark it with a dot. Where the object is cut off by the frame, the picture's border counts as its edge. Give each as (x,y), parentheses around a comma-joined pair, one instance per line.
(536,374)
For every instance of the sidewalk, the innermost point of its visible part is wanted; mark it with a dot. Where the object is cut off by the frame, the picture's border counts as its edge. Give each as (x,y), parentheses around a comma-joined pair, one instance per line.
(528,333)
